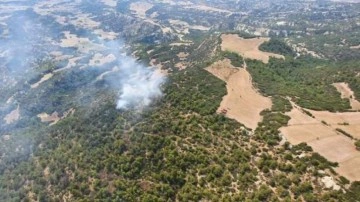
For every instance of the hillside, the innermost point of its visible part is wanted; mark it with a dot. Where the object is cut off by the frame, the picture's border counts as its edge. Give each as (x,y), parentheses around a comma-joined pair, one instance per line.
(179,101)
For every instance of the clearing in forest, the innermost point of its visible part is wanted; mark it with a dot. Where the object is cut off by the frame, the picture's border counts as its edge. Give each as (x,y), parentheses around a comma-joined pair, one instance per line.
(54,117)
(248,48)
(242,102)
(319,132)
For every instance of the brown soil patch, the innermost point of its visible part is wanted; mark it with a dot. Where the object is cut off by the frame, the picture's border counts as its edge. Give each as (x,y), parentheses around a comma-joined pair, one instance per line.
(140,8)
(297,134)
(54,117)
(12,116)
(159,67)
(85,21)
(248,48)
(83,45)
(106,35)
(46,172)
(181,65)
(350,168)
(324,139)
(336,148)
(182,55)
(348,121)
(347,93)
(99,59)
(242,103)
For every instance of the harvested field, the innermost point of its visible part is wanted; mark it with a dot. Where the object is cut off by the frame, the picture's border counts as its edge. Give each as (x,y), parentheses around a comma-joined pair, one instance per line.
(324,139)
(297,134)
(248,48)
(347,93)
(83,45)
(347,121)
(350,168)
(335,148)
(242,103)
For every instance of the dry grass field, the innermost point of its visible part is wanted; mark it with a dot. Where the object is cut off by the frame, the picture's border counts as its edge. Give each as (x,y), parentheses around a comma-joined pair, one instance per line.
(248,48)
(242,102)
(324,138)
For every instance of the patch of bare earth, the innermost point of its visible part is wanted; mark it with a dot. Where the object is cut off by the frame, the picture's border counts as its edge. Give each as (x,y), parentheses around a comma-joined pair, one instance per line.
(140,8)
(242,102)
(12,116)
(83,45)
(42,80)
(248,48)
(99,59)
(355,47)
(184,27)
(54,117)
(347,93)
(324,139)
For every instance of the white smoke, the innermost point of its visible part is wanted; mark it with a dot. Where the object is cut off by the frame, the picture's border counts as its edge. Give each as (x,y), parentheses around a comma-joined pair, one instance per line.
(139,84)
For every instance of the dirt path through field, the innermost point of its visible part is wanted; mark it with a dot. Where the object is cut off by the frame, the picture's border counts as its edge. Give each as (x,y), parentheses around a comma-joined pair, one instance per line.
(242,102)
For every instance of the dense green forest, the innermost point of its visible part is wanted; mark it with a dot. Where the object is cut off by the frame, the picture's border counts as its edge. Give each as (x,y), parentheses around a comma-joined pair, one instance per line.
(178,149)
(303,79)
(277,46)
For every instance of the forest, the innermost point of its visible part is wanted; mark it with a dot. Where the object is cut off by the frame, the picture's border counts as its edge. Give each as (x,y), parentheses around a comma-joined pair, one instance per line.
(178,149)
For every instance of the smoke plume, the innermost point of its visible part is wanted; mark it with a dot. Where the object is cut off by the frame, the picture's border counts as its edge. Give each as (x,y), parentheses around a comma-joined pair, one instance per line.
(139,85)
